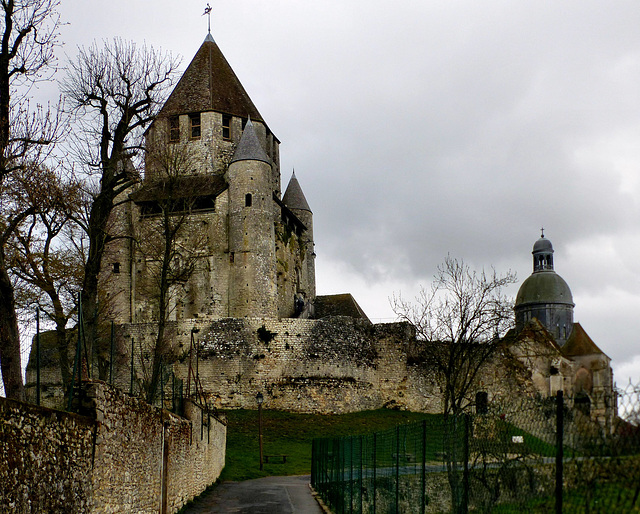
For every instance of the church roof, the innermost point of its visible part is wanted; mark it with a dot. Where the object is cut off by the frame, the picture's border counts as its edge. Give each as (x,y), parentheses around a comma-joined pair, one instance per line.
(542,245)
(294,197)
(544,287)
(579,343)
(534,330)
(209,84)
(249,147)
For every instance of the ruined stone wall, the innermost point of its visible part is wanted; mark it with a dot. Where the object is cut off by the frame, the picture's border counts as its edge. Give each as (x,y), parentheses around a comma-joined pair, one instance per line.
(291,268)
(331,366)
(119,456)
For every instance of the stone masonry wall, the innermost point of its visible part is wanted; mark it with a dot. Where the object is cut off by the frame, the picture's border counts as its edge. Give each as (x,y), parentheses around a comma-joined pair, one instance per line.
(333,365)
(122,455)
(45,459)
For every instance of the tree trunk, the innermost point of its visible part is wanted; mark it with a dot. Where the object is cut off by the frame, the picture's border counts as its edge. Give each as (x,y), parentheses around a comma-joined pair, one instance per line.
(98,221)
(159,350)
(10,358)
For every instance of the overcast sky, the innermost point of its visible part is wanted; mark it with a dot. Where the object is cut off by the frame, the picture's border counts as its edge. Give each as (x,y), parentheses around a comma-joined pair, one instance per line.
(424,128)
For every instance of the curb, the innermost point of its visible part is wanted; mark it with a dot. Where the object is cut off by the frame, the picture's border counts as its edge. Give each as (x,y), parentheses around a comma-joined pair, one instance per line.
(316,496)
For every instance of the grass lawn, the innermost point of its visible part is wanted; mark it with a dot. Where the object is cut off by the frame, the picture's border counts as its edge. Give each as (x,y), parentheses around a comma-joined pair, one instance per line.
(291,434)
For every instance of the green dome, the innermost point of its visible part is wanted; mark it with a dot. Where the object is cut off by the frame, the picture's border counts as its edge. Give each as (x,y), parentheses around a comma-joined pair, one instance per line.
(544,287)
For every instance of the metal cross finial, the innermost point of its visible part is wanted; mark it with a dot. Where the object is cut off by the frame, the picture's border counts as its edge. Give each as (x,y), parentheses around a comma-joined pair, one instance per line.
(207,11)
(542,230)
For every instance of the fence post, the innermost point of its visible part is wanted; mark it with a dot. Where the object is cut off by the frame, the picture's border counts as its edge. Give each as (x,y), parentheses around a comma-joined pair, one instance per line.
(314,463)
(77,361)
(424,467)
(351,474)
(38,355)
(465,456)
(375,467)
(360,481)
(559,448)
(397,469)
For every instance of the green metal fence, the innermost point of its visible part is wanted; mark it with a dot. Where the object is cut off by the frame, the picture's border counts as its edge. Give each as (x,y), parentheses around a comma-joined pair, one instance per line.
(538,456)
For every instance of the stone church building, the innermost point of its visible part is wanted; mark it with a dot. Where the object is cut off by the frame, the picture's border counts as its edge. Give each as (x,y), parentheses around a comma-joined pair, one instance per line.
(557,350)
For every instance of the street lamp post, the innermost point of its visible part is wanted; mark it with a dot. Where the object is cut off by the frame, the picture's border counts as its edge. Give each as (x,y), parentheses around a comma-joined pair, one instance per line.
(260,399)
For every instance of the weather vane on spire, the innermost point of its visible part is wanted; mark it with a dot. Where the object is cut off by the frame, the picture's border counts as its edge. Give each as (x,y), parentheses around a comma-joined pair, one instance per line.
(207,11)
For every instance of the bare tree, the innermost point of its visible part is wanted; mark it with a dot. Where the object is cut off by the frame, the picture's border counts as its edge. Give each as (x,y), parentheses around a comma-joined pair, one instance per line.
(28,36)
(460,320)
(167,241)
(45,264)
(115,91)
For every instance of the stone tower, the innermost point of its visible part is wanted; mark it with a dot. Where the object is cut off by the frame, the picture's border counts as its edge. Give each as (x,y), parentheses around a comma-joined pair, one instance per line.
(295,200)
(250,249)
(252,285)
(545,295)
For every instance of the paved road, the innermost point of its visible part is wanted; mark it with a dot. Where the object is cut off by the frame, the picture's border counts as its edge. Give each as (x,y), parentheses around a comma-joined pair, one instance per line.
(270,495)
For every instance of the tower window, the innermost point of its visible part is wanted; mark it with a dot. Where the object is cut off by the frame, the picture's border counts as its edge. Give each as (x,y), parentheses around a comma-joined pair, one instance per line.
(248,200)
(116,267)
(174,128)
(195,125)
(226,126)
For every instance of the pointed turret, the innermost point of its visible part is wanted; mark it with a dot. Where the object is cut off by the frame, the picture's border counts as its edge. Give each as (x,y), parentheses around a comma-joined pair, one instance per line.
(249,147)
(295,200)
(294,197)
(252,287)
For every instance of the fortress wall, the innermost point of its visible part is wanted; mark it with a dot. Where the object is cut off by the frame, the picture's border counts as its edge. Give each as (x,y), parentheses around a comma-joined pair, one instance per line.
(332,365)
(118,456)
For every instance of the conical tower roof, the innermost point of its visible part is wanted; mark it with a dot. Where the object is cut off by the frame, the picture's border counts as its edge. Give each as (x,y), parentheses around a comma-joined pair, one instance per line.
(249,147)
(209,84)
(294,197)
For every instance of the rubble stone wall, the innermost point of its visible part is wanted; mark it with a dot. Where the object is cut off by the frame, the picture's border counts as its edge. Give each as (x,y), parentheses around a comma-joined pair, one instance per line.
(334,365)
(121,455)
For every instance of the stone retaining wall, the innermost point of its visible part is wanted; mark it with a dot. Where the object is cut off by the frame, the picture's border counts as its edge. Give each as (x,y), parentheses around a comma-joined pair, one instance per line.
(121,455)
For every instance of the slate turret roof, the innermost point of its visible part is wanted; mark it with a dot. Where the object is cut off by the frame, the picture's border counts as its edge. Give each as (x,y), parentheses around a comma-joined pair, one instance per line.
(209,84)
(249,147)
(294,197)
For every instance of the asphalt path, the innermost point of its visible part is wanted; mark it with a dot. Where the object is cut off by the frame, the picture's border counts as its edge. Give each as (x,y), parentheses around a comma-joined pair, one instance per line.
(270,495)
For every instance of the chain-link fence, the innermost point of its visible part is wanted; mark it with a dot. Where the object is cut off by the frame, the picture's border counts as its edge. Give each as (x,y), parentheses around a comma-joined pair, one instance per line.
(537,456)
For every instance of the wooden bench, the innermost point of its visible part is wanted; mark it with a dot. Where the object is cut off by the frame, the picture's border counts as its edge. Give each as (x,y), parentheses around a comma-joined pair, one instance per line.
(406,456)
(281,456)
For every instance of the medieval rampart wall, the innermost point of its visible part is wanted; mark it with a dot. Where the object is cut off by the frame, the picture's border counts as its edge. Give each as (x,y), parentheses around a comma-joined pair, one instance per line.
(334,365)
